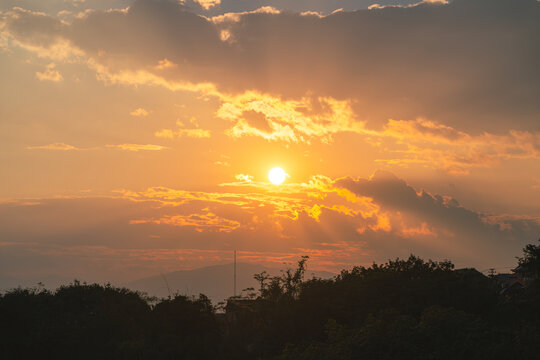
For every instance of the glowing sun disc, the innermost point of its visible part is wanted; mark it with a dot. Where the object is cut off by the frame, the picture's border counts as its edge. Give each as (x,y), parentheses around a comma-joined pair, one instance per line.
(277,175)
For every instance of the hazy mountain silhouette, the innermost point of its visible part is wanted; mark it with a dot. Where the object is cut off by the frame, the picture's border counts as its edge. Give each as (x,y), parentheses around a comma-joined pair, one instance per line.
(216,282)
(50,282)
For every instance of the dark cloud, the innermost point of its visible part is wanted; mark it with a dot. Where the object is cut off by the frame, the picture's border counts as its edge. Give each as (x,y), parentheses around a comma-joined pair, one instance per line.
(54,6)
(323,6)
(149,32)
(468,60)
(220,7)
(257,120)
(466,233)
(394,193)
(34,28)
(471,64)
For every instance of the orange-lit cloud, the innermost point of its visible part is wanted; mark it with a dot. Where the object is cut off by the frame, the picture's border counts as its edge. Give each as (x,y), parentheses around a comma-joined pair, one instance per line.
(50,74)
(195,133)
(234,17)
(420,3)
(139,112)
(244,178)
(207,4)
(53,146)
(423,230)
(201,222)
(192,133)
(138,147)
(441,146)
(269,117)
(349,221)
(164,64)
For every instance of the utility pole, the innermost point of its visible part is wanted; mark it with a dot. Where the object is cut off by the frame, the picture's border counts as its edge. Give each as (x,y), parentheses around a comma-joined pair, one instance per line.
(234,273)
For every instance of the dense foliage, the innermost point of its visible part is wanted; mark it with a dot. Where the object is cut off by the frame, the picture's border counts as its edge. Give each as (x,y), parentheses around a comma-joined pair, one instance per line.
(403,309)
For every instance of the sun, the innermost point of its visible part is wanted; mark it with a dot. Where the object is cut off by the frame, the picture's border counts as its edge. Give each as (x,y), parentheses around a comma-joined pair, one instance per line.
(277,175)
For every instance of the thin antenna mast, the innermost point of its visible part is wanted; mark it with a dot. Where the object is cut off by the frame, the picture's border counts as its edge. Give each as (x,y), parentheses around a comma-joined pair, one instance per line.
(166,283)
(234,273)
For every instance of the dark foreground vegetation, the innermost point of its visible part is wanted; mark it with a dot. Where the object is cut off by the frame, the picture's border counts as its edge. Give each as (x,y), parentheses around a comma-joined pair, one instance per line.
(404,309)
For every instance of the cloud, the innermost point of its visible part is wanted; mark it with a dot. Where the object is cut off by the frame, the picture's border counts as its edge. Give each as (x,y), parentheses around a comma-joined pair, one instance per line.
(128,147)
(233,17)
(300,6)
(408,72)
(164,64)
(50,74)
(423,2)
(138,147)
(452,227)
(201,222)
(338,222)
(165,133)
(244,178)
(53,146)
(35,28)
(196,132)
(192,133)
(275,119)
(139,112)
(207,4)
(435,145)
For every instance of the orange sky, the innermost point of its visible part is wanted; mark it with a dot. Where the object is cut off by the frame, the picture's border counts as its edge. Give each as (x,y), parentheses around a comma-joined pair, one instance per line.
(136,136)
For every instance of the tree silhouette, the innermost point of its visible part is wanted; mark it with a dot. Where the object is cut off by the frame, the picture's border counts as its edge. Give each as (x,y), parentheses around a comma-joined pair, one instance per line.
(529,264)
(402,309)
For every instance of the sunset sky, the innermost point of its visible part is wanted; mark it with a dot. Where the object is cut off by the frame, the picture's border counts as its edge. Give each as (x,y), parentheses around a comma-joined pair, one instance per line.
(136,137)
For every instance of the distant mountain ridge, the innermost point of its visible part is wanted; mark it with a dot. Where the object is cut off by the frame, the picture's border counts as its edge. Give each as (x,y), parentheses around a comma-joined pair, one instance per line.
(216,282)
(50,282)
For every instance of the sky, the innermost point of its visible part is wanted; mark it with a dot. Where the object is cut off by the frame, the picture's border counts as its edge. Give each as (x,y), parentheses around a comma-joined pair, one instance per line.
(136,136)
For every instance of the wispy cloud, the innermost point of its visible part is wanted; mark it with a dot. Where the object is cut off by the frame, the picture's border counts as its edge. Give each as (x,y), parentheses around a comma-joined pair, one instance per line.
(53,146)
(50,74)
(201,222)
(127,147)
(139,112)
(138,147)
(439,146)
(196,133)
(164,64)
